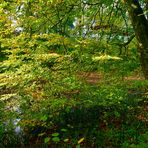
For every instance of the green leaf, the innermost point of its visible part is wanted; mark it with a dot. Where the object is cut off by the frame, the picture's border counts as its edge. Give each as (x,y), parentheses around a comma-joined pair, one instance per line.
(55,134)
(56,139)
(77,146)
(64,130)
(46,140)
(117,114)
(44,118)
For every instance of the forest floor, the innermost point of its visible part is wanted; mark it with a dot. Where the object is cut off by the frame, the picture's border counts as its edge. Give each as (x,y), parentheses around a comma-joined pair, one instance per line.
(98,126)
(114,127)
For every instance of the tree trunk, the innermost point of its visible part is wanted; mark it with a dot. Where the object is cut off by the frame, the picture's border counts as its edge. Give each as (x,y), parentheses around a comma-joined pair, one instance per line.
(140,25)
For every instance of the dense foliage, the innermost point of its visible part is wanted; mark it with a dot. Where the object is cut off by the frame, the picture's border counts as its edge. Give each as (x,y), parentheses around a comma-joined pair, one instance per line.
(70,75)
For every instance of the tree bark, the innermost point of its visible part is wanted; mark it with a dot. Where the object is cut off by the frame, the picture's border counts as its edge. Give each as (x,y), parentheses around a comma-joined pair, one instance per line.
(140,25)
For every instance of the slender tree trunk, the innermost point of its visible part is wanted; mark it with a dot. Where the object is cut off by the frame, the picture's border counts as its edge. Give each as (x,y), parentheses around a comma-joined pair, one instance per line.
(140,25)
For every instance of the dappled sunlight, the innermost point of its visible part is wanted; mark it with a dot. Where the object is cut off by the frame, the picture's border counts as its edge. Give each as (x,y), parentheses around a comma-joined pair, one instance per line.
(73,74)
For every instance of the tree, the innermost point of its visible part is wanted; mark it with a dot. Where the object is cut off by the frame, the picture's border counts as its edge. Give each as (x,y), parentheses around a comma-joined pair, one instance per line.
(105,20)
(140,25)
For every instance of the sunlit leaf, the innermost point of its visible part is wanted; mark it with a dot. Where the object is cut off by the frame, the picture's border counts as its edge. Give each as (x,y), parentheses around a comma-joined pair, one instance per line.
(66,140)
(55,134)
(63,130)
(81,140)
(105,57)
(56,139)
(46,140)
(44,118)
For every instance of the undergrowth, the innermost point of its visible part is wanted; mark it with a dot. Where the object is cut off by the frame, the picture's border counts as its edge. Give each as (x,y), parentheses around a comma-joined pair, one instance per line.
(77,99)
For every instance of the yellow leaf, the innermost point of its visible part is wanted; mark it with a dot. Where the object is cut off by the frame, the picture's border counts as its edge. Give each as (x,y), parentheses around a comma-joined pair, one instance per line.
(134,6)
(66,140)
(81,140)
